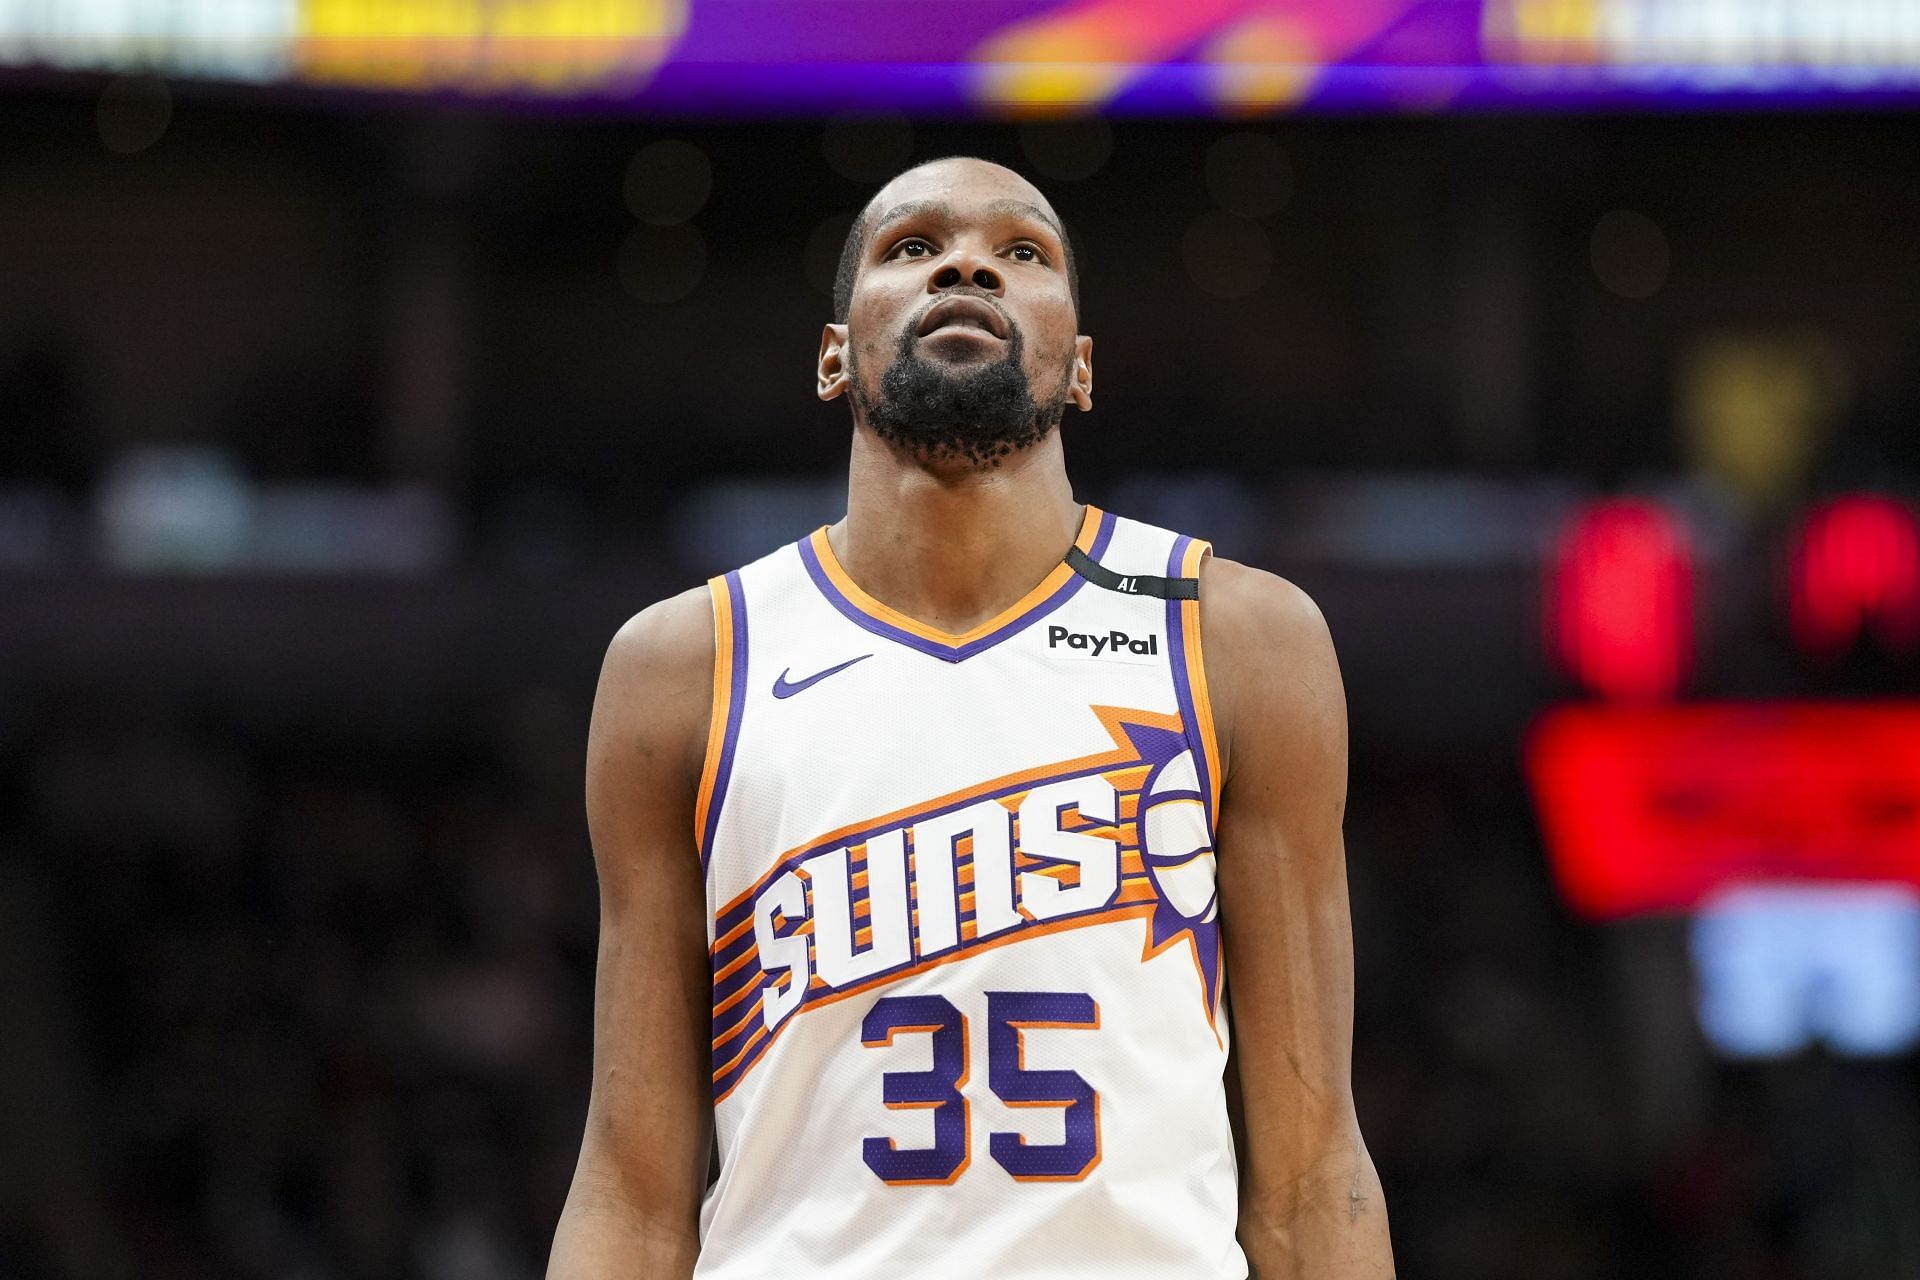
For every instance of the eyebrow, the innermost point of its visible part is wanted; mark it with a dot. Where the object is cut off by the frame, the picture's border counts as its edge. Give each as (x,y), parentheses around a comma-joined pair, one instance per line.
(941,209)
(1020,208)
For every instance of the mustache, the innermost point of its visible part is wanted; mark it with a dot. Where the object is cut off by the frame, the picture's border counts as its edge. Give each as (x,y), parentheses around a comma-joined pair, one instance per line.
(977,414)
(912,332)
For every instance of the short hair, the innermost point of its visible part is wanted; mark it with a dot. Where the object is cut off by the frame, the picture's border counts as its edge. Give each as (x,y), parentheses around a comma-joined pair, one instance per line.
(856,244)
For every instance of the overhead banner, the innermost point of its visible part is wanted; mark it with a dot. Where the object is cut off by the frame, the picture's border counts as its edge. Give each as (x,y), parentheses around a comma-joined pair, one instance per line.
(1007,57)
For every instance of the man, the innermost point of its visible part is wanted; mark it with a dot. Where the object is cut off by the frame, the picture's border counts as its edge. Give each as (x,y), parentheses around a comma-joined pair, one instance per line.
(907,847)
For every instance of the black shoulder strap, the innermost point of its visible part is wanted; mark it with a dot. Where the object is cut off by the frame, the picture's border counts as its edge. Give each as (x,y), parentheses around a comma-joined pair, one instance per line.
(1132,584)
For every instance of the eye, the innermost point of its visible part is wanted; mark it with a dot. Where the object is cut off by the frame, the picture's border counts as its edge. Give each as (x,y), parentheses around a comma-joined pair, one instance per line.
(1024,252)
(912,248)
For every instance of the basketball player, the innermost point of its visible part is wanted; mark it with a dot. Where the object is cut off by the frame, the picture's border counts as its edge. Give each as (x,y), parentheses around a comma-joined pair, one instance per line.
(933,846)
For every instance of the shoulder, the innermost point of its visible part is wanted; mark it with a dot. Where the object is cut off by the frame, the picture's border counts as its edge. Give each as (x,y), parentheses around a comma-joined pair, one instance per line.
(1270,662)
(1237,598)
(670,636)
(656,685)
(667,645)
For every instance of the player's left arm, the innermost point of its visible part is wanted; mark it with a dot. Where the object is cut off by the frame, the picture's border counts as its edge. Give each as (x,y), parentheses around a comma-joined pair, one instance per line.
(1310,1201)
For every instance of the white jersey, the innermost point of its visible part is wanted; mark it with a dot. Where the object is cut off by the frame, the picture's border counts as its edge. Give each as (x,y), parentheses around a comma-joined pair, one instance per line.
(967,987)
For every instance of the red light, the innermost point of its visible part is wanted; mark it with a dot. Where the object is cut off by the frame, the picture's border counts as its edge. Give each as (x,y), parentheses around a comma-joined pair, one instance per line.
(1651,809)
(1856,564)
(1620,600)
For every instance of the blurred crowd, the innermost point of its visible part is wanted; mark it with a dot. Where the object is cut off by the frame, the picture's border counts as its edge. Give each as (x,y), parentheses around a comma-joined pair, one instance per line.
(295,1002)
(294,1007)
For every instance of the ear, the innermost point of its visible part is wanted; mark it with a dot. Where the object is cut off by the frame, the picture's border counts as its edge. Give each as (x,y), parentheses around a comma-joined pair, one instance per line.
(1080,381)
(831,375)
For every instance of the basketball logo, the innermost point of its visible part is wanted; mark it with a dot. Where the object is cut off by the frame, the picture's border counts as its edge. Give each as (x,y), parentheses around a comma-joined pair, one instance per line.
(1174,843)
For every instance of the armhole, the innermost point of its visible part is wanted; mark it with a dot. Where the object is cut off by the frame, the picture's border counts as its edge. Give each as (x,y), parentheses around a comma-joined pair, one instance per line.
(1190,673)
(723,721)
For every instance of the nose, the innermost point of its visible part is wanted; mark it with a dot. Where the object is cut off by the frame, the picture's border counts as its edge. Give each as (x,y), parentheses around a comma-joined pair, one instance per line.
(966,265)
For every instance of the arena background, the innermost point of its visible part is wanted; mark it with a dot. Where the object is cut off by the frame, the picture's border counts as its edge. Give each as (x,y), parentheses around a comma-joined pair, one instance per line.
(359,376)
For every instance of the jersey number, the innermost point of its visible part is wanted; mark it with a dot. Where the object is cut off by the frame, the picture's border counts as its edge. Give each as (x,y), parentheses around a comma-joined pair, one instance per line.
(1010,1014)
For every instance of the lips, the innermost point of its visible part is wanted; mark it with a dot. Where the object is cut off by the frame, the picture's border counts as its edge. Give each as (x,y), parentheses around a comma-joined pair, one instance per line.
(962,309)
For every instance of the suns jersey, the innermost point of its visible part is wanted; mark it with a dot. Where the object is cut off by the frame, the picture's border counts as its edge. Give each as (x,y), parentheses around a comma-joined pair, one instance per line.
(966,964)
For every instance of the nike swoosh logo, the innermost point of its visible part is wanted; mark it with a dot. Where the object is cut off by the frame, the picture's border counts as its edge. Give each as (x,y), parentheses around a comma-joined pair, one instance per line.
(784,688)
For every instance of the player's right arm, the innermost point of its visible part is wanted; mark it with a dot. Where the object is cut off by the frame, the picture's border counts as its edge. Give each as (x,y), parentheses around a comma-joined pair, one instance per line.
(633,1209)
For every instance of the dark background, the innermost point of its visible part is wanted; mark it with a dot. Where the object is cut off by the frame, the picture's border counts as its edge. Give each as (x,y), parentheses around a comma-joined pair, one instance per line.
(338,436)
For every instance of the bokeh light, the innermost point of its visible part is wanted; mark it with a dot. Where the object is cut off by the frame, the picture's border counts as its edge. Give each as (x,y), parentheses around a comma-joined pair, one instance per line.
(1620,597)
(1227,256)
(1629,253)
(1757,406)
(1248,174)
(133,113)
(662,264)
(1856,568)
(668,181)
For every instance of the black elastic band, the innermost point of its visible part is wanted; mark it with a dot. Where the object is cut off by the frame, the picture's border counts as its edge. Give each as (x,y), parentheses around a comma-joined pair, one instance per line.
(1140,584)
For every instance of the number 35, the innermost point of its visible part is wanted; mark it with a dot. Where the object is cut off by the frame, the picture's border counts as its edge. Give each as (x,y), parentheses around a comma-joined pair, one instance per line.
(1010,1014)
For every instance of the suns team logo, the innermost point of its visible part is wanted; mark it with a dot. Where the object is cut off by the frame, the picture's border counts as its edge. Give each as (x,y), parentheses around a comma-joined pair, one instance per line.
(1122,834)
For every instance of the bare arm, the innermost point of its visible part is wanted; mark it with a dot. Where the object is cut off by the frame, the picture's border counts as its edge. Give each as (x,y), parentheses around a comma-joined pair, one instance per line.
(633,1209)
(1310,1201)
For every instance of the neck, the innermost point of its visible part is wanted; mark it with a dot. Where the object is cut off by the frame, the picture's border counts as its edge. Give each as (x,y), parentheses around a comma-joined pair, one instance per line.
(952,549)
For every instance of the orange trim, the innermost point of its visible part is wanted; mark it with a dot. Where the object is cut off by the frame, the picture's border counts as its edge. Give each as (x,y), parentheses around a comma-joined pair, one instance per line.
(1136,889)
(721,704)
(751,953)
(759,1033)
(1020,1030)
(736,998)
(1197,673)
(1098,1153)
(1136,899)
(1122,752)
(1133,911)
(727,937)
(959,1087)
(1149,951)
(727,1035)
(904,1029)
(1089,526)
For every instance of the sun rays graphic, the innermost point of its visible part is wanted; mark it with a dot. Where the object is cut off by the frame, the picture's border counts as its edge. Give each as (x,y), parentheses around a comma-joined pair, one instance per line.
(1256,55)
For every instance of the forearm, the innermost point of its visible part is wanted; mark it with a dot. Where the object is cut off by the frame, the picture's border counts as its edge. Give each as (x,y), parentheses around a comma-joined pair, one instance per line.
(1328,1223)
(604,1236)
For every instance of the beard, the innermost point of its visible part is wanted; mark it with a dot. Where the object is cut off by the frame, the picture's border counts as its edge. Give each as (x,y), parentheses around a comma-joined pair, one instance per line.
(977,414)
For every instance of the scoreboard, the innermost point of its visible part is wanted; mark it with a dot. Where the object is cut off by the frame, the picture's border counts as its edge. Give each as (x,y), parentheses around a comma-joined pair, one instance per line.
(1021,57)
